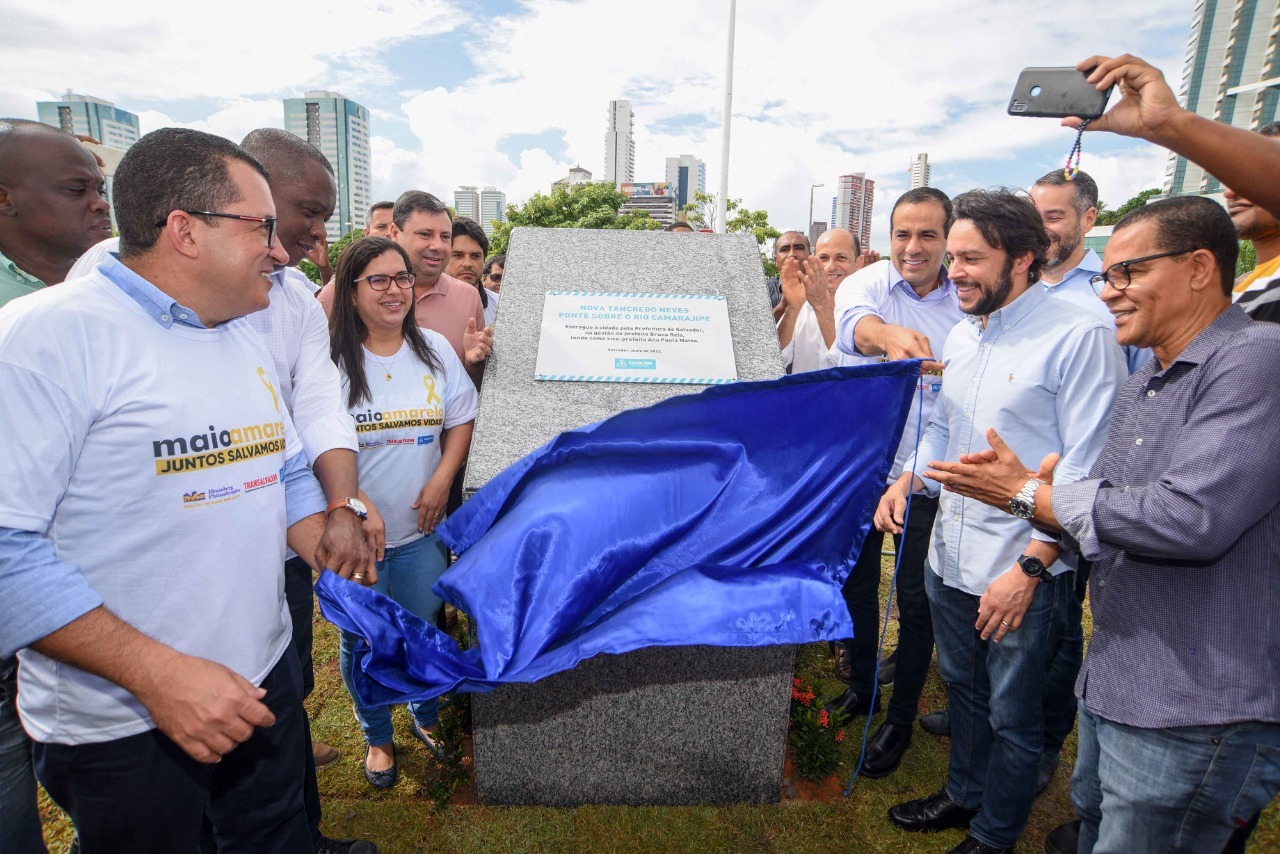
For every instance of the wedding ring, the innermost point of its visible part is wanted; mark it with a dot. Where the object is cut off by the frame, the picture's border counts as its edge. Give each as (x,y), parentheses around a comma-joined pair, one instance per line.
(357,576)
(1003,623)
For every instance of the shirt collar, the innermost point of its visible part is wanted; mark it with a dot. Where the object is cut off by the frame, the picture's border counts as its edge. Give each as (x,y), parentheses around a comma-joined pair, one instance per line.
(441,287)
(18,271)
(1211,337)
(1090,265)
(161,307)
(896,280)
(1013,313)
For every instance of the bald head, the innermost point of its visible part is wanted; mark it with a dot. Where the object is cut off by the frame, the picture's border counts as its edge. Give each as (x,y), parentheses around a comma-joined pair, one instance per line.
(53,203)
(838,251)
(302,187)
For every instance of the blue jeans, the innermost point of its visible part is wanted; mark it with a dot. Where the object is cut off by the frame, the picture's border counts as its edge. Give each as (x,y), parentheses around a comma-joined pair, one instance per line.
(1181,789)
(997,696)
(19,817)
(406,574)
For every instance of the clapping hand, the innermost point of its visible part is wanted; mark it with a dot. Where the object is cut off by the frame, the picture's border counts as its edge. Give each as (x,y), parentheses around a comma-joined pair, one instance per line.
(992,477)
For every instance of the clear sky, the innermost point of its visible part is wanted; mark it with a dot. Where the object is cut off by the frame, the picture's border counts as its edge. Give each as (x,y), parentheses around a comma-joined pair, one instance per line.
(513,94)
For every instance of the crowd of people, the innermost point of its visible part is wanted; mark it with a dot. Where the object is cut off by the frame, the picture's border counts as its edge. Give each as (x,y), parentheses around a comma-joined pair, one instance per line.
(186,415)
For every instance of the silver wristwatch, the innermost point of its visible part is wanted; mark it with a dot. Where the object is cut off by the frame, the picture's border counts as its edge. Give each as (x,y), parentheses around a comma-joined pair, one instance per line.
(1023,505)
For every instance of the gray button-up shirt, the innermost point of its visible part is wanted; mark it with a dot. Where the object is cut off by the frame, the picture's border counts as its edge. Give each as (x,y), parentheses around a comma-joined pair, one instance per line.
(1181,517)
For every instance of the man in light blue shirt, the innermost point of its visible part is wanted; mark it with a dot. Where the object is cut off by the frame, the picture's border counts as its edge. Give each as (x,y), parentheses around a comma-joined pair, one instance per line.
(1048,372)
(900,308)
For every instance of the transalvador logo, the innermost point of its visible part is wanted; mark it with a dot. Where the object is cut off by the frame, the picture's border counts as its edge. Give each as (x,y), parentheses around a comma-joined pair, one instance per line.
(192,497)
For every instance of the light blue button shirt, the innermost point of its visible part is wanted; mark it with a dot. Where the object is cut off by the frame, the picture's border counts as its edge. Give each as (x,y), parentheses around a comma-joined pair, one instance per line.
(1045,375)
(1076,289)
(879,290)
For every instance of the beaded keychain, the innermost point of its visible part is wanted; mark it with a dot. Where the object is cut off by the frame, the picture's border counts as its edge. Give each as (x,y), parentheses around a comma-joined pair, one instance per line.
(1073,168)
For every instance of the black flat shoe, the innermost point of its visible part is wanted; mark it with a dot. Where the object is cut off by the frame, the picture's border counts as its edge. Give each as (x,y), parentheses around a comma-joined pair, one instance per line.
(937,723)
(973,846)
(936,812)
(885,750)
(851,705)
(380,779)
(1063,839)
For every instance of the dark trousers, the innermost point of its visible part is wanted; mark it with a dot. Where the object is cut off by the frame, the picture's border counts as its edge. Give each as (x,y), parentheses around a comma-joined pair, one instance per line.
(915,626)
(19,816)
(144,794)
(1068,656)
(300,594)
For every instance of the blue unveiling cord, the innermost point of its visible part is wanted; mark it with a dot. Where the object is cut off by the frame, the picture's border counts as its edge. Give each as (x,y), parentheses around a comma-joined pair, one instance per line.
(888,605)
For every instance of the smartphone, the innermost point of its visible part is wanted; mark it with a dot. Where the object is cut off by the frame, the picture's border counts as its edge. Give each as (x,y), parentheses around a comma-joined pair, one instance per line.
(1057,93)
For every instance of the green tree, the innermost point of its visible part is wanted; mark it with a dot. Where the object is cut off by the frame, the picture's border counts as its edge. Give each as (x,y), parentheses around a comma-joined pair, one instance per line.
(1247,259)
(335,249)
(703,211)
(1106,216)
(580,206)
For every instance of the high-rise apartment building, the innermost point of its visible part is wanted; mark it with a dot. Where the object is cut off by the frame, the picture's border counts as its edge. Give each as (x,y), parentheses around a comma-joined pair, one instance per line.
(620,145)
(920,171)
(1232,75)
(657,200)
(89,116)
(686,175)
(86,115)
(466,202)
(493,208)
(851,208)
(339,127)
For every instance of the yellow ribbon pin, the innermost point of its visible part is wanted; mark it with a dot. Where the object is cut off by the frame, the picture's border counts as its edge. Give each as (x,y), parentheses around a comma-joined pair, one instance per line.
(430,382)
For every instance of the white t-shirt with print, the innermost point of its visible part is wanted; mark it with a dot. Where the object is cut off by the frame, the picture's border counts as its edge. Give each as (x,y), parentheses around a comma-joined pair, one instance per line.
(152,457)
(399,429)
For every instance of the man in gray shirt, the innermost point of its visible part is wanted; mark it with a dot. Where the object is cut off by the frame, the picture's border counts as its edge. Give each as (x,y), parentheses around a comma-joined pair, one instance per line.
(1179,713)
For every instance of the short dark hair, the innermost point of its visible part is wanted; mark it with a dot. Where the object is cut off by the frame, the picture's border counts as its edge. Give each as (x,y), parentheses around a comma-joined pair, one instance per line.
(469,227)
(283,153)
(1270,129)
(416,201)
(380,206)
(1084,193)
(922,195)
(1191,222)
(679,225)
(499,260)
(807,245)
(168,170)
(1007,221)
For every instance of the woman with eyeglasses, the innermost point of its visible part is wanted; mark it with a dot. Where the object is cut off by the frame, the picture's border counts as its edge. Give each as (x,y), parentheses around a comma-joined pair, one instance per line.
(414,407)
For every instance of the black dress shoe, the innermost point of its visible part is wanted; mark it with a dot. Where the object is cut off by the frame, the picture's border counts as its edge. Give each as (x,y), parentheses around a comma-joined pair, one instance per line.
(936,812)
(851,705)
(884,752)
(973,846)
(1063,839)
(937,723)
(843,666)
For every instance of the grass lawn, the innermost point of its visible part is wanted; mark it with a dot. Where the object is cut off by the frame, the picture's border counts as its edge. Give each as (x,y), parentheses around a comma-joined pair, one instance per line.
(403,819)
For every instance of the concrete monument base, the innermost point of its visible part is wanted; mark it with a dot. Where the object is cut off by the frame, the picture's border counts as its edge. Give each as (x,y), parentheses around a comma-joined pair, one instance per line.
(659,726)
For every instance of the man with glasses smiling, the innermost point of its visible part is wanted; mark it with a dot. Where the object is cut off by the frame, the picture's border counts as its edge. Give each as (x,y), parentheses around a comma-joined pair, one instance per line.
(1179,716)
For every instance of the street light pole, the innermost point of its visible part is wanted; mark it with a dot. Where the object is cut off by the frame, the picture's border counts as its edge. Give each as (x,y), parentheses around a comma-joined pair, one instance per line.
(808,226)
(722,204)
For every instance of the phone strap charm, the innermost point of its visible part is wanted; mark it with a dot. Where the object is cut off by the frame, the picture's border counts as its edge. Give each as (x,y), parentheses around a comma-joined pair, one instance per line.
(1073,158)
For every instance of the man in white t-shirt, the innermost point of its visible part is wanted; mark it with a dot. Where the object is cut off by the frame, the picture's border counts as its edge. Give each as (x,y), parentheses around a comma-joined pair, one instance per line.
(150,476)
(807,328)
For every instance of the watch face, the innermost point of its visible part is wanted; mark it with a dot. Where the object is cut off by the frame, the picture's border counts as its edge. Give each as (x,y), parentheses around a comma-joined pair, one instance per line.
(357,505)
(1032,566)
(1021,508)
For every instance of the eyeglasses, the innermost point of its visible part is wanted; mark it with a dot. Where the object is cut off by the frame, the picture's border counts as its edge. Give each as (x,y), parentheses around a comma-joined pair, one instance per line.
(1122,279)
(382,282)
(495,277)
(268,221)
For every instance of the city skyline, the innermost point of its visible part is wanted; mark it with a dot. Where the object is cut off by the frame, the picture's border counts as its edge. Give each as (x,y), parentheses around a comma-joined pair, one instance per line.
(468,93)
(339,127)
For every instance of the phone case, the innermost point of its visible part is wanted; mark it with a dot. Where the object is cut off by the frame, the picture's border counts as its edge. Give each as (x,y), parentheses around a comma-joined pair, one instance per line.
(1056,93)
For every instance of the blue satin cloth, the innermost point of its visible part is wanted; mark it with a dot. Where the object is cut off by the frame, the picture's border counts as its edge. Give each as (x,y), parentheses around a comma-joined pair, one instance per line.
(730,517)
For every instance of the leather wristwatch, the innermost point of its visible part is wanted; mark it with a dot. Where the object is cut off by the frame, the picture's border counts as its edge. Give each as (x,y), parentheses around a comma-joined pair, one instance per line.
(1034,568)
(1023,505)
(355,505)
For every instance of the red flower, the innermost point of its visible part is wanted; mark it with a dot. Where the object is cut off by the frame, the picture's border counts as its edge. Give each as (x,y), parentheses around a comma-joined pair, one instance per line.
(823,718)
(796,683)
(839,736)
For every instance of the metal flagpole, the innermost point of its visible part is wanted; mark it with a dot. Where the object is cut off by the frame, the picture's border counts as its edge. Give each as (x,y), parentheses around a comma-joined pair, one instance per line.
(722,203)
